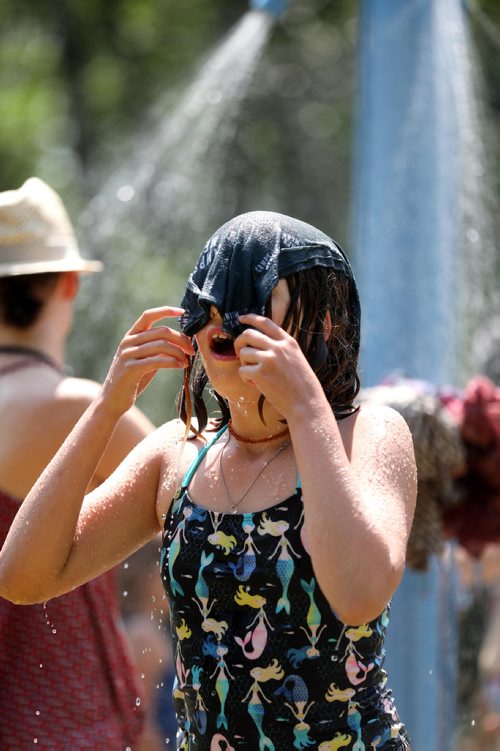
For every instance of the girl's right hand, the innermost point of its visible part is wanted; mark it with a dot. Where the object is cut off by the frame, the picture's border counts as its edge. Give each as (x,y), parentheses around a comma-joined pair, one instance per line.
(143,351)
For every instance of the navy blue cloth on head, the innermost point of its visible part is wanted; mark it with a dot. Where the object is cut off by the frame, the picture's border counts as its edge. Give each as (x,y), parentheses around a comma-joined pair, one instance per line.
(243,261)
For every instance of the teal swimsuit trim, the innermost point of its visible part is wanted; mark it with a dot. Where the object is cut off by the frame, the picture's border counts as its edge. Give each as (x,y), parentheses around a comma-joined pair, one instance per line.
(196,461)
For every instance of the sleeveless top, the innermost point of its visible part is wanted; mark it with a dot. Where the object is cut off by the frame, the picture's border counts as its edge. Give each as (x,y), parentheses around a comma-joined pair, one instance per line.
(262,662)
(67,680)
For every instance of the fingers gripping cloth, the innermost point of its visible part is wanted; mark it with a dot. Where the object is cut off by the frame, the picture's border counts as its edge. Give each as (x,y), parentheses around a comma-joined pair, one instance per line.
(243,262)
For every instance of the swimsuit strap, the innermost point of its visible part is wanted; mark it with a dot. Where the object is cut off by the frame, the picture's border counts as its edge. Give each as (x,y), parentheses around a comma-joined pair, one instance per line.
(195,463)
(22,364)
(32,357)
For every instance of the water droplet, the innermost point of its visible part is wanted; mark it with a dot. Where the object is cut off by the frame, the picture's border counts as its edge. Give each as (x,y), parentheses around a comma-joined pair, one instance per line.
(54,631)
(35,740)
(125,566)
(125,193)
(138,702)
(37,712)
(125,593)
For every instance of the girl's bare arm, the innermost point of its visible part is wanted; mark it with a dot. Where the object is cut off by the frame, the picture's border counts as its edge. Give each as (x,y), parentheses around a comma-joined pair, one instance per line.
(358,480)
(57,540)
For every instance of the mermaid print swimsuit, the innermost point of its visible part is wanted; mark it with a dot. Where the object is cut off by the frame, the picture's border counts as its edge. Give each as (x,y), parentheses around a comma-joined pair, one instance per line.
(262,662)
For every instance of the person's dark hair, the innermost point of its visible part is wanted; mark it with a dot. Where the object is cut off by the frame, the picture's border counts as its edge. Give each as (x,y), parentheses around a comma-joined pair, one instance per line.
(23,297)
(314,293)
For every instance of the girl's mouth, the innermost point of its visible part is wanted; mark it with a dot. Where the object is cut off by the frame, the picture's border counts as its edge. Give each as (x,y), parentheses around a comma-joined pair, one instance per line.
(222,345)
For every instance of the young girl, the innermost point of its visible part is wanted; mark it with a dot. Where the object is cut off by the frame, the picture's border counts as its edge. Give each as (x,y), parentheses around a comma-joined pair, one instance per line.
(285,519)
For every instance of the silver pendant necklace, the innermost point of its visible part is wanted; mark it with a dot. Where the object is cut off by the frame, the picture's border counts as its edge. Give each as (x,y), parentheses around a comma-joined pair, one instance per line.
(234,504)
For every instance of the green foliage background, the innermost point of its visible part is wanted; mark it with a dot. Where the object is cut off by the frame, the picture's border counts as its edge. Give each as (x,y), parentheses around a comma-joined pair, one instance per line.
(79,80)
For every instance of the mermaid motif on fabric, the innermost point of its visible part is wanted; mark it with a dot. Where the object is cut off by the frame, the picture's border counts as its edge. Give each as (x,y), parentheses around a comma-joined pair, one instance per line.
(295,691)
(201,591)
(255,696)
(181,673)
(198,514)
(245,566)
(262,661)
(220,540)
(256,639)
(312,631)
(284,565)
(219,651)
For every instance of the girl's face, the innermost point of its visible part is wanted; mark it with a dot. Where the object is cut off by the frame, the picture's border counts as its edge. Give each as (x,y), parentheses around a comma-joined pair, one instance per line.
(217,349)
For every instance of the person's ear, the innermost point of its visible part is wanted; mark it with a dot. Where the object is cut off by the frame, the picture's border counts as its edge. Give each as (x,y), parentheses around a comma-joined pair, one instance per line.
(69,284)
(327,326)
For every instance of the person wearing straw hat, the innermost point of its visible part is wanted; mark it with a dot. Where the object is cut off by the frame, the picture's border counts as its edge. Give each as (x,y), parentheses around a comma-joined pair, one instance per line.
(67,679)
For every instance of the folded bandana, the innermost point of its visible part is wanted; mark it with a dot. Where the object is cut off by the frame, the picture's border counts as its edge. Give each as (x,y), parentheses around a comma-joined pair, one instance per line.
(243,262)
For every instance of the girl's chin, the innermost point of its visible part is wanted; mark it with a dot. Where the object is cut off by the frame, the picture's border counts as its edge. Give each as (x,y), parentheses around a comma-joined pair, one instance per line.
(236,389)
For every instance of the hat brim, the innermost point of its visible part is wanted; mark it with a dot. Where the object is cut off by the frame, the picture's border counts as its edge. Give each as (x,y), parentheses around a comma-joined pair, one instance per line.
(81,265)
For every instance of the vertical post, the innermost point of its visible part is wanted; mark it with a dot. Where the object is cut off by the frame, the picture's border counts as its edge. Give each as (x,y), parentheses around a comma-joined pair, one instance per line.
(407,239)
(274,7)
(407,204)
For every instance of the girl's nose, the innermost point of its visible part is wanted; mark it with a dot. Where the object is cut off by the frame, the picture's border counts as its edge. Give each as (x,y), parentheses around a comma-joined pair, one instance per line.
(215,316)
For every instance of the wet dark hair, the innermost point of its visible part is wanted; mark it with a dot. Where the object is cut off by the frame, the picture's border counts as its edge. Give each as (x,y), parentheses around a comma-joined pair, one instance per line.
(314,293)
(23,297)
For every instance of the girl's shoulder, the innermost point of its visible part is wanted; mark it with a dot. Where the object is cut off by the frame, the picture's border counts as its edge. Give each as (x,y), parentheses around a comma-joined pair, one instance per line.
(373,426)
(172,435)
(378,416)
(369,417)
(177,451)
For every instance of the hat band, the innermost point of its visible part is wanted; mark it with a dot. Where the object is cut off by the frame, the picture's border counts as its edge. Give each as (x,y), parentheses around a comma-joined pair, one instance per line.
(59,249)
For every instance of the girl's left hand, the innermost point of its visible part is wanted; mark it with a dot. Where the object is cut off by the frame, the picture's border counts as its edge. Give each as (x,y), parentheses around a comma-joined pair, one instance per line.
(272,360)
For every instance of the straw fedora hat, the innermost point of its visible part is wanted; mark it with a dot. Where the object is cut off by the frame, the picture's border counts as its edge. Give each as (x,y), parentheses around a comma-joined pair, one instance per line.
(36,235)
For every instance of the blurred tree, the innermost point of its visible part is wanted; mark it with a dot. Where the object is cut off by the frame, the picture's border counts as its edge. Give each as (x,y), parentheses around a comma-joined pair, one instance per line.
(77,74)
(83,82)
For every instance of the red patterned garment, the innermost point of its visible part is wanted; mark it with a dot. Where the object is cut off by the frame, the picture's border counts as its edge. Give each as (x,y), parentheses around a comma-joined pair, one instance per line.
(66,676)
(475,521)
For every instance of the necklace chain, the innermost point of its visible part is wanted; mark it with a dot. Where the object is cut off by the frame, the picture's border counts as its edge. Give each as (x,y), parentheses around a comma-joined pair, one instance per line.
(238,437)
(234,505)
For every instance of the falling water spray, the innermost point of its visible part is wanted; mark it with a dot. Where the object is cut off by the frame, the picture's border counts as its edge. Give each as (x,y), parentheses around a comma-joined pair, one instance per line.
(424,262)
(165,196)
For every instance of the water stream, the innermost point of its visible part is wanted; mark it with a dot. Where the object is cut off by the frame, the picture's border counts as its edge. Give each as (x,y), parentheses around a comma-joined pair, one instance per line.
(176,165)
(425,264)
(167,196)
(423,230)
(479,296)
